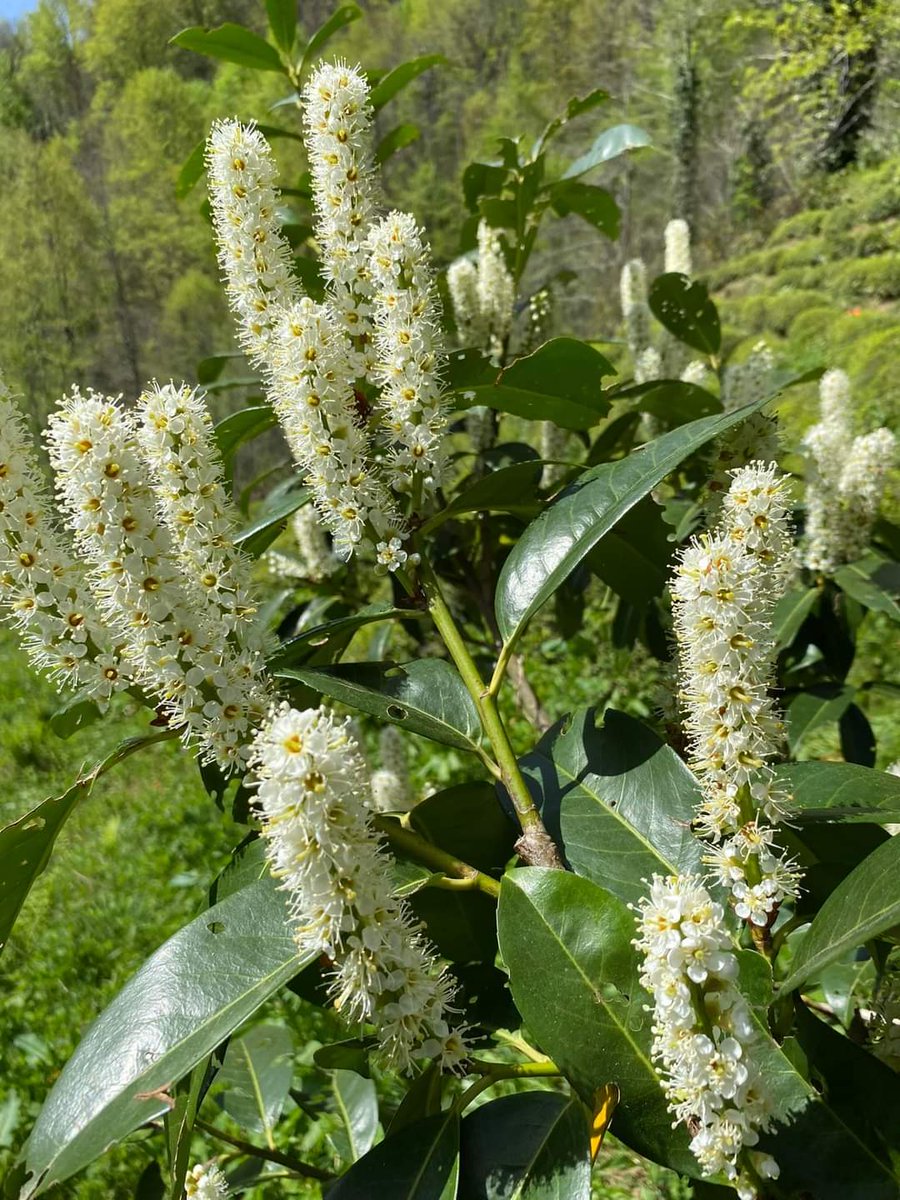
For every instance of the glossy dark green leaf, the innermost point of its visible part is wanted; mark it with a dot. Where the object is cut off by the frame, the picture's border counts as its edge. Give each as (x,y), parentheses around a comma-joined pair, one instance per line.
(567,946)
(553,545)
(191,170)
(209,369)
(189,996)
(481,179)
(282,16)
(296,649)
(671,400)
(356,1102)
(349,1055)
(532,1146)
(857,737)
(339,19)
(511,489)
(397,139)
(874,581)
(271,132)
(73,716)
(683,306)
(419,1163)
(425,696)
(560,382)
(402,76)
(462,924)
(828,791)
(621,800)
(269,520)
(26,844)
(576,106)
(310,276)
(594,204)
(608,145)
(819,705)
(231,432)
(255,1078)
(231,43)
(790,612)
(634,557)
(467,821)
(865,904)
(422,1100)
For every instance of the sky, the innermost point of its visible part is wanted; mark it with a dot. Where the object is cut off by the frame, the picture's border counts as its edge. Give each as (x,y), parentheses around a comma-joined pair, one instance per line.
(10,9)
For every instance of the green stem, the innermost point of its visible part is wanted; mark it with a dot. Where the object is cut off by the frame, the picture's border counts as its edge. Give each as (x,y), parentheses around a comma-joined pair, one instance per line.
(412,845)
(494,1072)
(307,1170)
(535,845)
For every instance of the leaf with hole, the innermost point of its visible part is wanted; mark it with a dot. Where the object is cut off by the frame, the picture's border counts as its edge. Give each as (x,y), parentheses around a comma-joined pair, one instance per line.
(425,696)
(200,986)
(562,536)
(683,306)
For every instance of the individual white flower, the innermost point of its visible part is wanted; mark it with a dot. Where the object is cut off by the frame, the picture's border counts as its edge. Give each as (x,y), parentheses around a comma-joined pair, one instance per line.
(176,649)
(678,247)
(43,588)
(177,441)
(409,350)
(633,289)
(703,1032)
(337,119)
(471,321)
(312,544)
(496,289)
(315,801)
(391,785)
(205,1182)
(254,254)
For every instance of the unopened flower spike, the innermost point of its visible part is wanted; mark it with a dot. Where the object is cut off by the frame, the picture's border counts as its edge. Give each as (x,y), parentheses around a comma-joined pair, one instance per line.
(635,310)
(177,650)
(43,587)
(315,800)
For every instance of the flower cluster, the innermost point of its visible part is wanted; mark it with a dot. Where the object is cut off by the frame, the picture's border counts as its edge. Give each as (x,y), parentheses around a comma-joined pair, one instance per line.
(483,294)
(337,118)
(42,585)
(408,345)
(176,441)
(315,801)
(678,247)
(846,479)
(727,584)
(205,1182)
(177,641)
(635,310)
(391,785)
(703,1031)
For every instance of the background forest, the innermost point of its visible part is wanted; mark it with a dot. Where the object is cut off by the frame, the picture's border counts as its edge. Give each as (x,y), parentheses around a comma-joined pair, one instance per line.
(774,133)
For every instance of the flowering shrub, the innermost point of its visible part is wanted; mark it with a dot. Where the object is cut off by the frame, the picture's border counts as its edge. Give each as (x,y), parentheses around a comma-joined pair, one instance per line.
(633,927)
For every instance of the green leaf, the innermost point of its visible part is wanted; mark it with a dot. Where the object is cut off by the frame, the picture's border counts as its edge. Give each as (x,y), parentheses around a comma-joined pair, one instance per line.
(339,19)
(621,800)
(819,705)
(357,1104)
(790,612)
(685,309)
(532,1146)
(256,1078)
(209,369)
(191,170)
(511,489)
(419,1163)
(608,145)
(865,904)
(422,1100)
(179,1125)
(671,400)
(567,946)
(595,204)
(576,106)
(826,791)
(425,696)
(231,43)
(242,426)
(282,16)
(276,131)
(633,558)
(349,1055)
(482,179)
(462,925)
(296,649)
(560,382)
(270,519)
(553,545)
(874,581)
(402,76)
(397,139)
(200,986)
(76,714)
(468,822)
(26,844)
